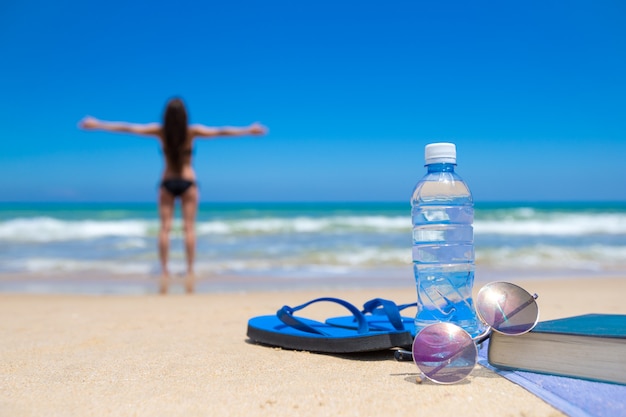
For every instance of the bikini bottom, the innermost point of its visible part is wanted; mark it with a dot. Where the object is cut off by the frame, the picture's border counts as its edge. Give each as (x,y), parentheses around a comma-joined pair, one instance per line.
(176,186)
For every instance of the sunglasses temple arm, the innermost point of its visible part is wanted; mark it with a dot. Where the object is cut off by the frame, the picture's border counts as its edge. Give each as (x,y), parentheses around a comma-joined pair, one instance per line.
(403,355)
(483,336)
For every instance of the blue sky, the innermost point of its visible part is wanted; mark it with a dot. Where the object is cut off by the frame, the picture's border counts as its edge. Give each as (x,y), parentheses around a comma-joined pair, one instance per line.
(533,93)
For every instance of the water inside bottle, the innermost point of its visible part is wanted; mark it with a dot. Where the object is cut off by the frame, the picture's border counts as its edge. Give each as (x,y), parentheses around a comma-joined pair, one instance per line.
(445,295)
(443,259)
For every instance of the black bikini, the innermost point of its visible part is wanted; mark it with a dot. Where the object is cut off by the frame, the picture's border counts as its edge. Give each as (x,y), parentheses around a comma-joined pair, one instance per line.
(176,186)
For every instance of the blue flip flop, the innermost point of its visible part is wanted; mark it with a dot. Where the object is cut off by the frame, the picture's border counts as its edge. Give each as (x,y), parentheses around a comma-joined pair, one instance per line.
(381,315)
(290,332)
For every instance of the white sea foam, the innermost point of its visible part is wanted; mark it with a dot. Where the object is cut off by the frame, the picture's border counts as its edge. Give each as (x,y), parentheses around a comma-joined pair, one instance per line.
(593,258)
(331,224)
(132,243)
(540,257)
(555,225)
(295,244)
(46,229)
(522,223)
(366,257)
(56,265)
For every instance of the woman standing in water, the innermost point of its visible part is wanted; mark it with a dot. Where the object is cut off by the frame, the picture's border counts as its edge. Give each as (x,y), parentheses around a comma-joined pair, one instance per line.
(178,179)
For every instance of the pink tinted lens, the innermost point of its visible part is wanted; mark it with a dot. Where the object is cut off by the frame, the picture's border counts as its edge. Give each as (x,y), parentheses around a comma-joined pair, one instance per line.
(507,308)
(444,353)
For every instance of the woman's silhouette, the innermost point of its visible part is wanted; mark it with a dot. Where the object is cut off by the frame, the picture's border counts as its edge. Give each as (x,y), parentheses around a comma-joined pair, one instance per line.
(178,179)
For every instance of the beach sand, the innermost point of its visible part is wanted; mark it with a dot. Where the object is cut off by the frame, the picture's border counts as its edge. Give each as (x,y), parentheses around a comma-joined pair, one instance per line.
(179,355)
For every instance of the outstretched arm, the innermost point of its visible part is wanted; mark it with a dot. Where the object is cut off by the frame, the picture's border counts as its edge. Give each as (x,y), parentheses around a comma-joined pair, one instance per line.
(91,123)
(202,131)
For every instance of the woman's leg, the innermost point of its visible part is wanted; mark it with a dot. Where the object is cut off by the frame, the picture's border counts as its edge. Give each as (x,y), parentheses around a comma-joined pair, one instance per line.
(189,209)
(166,213)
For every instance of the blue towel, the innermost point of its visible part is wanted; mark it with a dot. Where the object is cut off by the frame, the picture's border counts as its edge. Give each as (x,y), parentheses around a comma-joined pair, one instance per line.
(574,397)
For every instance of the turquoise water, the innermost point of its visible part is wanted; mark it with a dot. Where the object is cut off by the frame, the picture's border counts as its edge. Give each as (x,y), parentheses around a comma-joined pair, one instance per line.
(303,241)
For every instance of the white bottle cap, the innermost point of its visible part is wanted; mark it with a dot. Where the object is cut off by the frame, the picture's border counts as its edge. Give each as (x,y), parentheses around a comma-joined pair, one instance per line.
(440,153)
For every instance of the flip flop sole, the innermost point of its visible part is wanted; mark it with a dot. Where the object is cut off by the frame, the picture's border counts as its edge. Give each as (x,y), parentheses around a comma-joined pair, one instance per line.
(269,330)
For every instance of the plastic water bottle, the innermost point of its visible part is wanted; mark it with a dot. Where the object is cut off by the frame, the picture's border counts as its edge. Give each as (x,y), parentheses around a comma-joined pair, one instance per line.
(443,243)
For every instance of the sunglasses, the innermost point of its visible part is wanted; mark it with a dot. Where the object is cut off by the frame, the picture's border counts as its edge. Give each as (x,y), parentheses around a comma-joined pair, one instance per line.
(445,353)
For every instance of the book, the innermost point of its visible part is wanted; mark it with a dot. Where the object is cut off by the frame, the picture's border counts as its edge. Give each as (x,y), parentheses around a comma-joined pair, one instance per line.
(591,346)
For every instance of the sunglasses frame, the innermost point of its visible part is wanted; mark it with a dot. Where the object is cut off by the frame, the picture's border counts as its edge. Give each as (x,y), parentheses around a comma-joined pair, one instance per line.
(466,349)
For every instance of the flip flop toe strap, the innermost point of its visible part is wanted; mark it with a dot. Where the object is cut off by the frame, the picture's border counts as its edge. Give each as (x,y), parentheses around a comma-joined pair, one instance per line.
(388,308)
(285,314)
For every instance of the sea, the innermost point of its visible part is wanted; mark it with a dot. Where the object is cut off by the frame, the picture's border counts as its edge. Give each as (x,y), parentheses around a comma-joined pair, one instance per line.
(112,248)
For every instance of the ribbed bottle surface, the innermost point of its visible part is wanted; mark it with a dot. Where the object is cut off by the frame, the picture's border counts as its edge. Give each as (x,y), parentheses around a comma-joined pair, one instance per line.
(443,249)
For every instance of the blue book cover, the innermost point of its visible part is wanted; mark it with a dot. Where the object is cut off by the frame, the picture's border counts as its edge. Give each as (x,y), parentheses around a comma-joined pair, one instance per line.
(596,325)
(592,346)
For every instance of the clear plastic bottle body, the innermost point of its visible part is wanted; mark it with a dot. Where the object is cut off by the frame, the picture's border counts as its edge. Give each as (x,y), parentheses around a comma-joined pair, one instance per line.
(443,249)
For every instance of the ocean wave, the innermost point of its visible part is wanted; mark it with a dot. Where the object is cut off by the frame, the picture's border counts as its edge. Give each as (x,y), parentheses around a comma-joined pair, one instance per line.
(595,258)
(331,224)
(362,257)
(564,224)
(40,265)
(592,258)
(217,263)
(46,229)
(520,222)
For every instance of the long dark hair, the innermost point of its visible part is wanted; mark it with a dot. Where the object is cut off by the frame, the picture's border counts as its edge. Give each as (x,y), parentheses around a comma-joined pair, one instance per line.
(175,133)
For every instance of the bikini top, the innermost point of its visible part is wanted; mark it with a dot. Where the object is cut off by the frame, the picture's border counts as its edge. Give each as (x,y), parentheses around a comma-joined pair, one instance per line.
(186,152)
